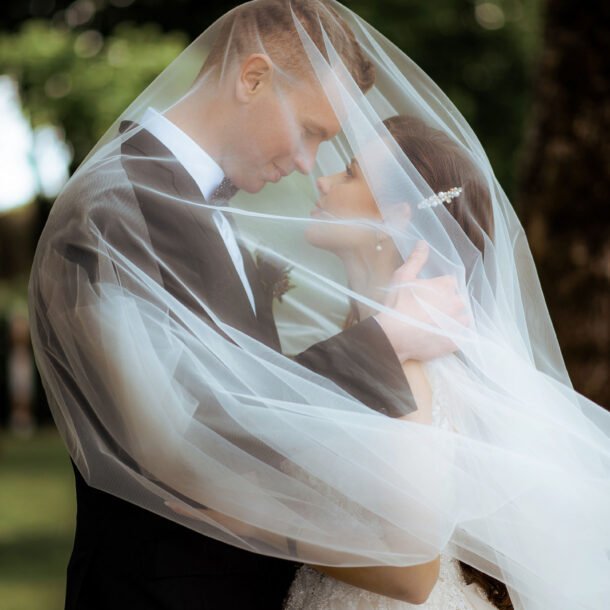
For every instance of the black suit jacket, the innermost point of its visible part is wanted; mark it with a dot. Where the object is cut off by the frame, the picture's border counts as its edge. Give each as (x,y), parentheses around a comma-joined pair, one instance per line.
(127,557)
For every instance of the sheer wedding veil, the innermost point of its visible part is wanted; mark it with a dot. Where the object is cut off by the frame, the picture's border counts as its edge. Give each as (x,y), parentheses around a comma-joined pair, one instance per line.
(175,389)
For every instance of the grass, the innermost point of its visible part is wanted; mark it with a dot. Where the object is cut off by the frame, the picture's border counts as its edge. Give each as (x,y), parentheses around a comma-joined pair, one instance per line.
(37,511)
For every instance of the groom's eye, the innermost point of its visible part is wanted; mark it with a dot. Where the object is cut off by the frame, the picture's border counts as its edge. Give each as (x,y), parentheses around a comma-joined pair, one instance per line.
(314,131)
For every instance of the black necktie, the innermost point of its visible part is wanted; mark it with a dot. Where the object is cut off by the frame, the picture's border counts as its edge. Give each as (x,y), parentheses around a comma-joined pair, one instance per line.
(221,196)
(223,193)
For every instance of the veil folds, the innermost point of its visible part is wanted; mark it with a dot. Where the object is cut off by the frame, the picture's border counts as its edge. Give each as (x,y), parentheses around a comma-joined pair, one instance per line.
(191,332)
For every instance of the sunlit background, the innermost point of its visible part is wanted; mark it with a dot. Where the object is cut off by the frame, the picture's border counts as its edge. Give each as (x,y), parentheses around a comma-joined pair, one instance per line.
(533,86)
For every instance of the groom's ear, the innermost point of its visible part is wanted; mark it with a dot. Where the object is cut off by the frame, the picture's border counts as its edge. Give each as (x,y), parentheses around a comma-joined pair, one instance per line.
(255,75)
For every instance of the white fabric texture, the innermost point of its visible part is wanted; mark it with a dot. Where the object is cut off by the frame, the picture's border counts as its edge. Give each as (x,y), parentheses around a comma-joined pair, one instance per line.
(172,395)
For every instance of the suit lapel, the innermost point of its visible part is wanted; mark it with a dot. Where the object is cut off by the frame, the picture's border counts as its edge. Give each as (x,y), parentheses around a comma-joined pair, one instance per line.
(186,237)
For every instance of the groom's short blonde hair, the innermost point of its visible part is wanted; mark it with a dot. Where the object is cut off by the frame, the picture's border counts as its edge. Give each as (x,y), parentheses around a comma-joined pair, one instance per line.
(269,25)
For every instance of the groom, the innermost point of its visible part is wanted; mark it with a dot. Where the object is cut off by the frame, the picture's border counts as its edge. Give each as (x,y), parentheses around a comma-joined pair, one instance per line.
(203,149)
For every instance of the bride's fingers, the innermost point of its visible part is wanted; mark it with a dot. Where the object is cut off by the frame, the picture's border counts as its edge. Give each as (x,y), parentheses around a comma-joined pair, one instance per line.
(414,264)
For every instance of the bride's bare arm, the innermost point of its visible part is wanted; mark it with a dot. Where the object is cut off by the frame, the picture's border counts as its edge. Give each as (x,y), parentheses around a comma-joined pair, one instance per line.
(412,584)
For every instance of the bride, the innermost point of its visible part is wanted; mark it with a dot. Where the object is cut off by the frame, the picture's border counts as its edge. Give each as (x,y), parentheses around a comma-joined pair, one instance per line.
(370,259)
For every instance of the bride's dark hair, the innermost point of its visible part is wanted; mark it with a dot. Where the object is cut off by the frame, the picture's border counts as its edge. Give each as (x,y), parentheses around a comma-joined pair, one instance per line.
(443,164)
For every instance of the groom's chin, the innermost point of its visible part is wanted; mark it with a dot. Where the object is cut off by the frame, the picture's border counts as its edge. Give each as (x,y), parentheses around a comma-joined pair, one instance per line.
(252,186)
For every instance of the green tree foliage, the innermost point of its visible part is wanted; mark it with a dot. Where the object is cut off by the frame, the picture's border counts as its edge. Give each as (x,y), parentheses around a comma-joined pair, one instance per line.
(480,52)
(82,64)
(81,80)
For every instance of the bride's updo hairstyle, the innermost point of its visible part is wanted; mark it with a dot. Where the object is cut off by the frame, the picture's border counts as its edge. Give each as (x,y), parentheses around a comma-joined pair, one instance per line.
(444,165)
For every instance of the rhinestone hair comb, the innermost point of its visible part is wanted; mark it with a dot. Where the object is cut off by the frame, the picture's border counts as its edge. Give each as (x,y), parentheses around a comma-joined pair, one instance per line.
(440,197)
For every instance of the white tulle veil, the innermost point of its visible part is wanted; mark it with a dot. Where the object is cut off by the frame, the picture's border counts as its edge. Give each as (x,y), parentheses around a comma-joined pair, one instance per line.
(166,398)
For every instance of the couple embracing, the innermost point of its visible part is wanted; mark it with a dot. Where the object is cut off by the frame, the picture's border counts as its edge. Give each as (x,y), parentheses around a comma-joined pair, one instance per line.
(292,336)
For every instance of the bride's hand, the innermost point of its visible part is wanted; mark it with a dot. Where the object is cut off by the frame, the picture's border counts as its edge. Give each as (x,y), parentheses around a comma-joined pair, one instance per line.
(439,293)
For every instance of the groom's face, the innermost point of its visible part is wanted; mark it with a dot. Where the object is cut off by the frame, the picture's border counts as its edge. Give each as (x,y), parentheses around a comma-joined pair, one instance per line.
(278,130)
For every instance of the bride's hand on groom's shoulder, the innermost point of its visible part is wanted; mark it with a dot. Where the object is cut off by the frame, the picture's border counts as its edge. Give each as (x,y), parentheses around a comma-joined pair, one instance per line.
(410,298)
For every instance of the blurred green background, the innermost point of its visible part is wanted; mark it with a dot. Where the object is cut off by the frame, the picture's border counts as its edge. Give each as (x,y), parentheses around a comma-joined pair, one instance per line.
(533,87)
(36,521)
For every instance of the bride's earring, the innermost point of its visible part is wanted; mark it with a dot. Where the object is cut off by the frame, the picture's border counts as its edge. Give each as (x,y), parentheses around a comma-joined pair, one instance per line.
(378,246)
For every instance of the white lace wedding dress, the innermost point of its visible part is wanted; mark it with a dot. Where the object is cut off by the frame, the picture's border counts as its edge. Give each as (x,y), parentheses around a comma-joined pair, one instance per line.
(312,590)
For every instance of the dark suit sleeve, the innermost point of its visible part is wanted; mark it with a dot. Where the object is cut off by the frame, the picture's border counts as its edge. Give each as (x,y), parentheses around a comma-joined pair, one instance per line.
(361,360)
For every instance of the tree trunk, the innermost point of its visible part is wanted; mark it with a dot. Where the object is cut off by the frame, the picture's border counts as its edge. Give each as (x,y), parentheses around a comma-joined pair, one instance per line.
(564,191)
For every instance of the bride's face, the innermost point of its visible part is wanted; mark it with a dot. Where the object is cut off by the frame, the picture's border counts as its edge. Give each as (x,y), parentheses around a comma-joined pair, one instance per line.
(344,196)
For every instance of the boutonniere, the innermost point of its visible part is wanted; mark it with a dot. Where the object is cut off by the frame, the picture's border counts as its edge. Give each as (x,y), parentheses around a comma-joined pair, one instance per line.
(273,274)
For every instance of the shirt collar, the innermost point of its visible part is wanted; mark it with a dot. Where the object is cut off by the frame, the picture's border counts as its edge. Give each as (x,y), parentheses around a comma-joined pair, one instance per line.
(203,169)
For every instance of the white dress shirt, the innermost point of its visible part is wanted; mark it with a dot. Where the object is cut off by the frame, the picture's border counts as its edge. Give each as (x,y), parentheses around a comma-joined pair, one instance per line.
(206,173)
